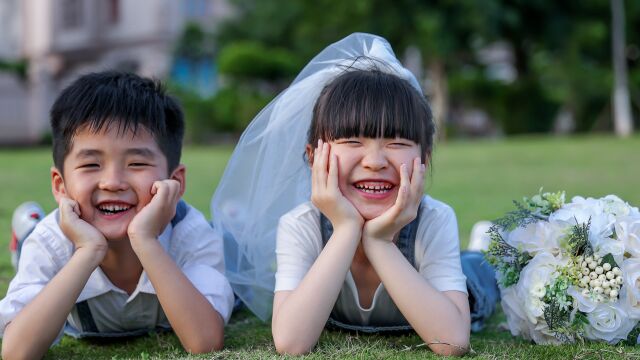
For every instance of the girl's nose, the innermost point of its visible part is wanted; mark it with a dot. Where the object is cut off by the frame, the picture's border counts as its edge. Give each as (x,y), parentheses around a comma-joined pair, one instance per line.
(375,159)
(113,180)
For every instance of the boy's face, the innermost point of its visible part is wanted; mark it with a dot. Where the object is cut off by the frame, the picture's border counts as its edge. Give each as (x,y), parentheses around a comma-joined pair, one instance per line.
(110,174)
(369,171)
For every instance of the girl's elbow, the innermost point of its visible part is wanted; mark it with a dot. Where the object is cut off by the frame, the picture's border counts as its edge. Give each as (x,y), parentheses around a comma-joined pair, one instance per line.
(290,345)
(451,346)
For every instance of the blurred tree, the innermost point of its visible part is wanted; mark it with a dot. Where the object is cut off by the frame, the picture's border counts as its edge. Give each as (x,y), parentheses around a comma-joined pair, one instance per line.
(560,50)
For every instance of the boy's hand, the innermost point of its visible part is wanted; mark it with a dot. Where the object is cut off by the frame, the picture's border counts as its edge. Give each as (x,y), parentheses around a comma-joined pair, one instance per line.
(405,209)
(325,193)
(154,217)
(82,234)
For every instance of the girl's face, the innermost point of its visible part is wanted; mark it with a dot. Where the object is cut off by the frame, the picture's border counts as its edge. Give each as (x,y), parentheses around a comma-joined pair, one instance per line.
(369,170)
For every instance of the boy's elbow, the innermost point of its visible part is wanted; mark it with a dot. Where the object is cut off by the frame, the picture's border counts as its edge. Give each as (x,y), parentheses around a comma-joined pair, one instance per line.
(204,344)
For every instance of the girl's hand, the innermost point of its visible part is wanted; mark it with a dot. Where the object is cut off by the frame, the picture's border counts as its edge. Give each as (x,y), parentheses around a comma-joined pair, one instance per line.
(325,193)
(154,217)
(82,234)
(405,209)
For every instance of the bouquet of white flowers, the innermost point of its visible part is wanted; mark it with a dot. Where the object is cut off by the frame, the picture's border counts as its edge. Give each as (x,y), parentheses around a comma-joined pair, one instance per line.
(569,271)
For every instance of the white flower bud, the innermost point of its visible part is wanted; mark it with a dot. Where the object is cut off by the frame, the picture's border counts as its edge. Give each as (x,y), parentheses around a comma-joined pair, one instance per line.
(593,275)
(610,275)
(585,292)
(619,280)
(600,298)
(607,291)
(605,284)
(588,259)
(586,272)
(617,271)
(613,293)
(606,266)
(596,257)
(598,290)
(602,278)
(599,261)
(599,270)
(593,283)
(592,265)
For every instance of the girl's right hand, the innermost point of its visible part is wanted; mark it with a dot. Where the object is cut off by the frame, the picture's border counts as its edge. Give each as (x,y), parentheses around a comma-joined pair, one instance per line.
(82,234)
(325,193)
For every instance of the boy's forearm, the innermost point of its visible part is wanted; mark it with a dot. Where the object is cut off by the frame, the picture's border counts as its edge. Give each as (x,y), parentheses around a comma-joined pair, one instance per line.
(197,324)
(36,326)
(422,305)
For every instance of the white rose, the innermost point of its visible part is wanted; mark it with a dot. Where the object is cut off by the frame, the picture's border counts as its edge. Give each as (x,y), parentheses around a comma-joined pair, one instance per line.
(628,232)
(630,292)
(609,322)
(541,236)
(585,304)
(579,209)
(600,237)
(516,318)
(612,204)
(537,273)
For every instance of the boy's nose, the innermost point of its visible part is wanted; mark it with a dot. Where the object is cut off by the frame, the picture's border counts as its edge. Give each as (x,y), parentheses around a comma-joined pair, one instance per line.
(113,181)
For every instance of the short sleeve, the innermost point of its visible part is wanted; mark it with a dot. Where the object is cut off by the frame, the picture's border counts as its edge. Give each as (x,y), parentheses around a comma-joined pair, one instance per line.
(38,265)
(438,249)
(198,251)
(298,245)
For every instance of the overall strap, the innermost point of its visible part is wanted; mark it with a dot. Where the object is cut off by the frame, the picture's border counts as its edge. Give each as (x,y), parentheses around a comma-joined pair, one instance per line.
(181,212)
(86,318)
(406,239)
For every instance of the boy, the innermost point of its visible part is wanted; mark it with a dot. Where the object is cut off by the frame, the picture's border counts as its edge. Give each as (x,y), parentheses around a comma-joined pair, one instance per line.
(122,254)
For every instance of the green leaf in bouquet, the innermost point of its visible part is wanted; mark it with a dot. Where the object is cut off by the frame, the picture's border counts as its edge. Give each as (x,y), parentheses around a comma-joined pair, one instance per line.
(578,239)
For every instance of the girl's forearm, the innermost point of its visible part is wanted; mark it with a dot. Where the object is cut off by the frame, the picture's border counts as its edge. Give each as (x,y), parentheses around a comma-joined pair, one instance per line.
(300,317)
(424,307)
(197,324)
(35,328)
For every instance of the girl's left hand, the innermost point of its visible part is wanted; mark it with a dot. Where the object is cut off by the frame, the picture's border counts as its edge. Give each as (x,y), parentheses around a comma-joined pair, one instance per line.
(405,209)
(154,217)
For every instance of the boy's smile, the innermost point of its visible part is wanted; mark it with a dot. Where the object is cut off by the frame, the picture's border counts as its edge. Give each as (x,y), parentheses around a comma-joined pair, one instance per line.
(109,174)
(369,171)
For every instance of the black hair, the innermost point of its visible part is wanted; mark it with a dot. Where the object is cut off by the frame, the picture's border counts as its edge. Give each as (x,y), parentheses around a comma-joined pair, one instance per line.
(101,100)
(372,103)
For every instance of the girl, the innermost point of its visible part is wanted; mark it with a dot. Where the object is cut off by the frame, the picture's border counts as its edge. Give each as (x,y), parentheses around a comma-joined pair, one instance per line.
(369,252)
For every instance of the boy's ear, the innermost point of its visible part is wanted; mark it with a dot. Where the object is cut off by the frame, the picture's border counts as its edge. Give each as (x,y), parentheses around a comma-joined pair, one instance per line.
(57,184)
(180,174)
(309,150)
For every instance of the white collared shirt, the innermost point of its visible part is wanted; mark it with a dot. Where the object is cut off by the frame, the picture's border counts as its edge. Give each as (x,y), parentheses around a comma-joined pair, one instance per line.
(192,244)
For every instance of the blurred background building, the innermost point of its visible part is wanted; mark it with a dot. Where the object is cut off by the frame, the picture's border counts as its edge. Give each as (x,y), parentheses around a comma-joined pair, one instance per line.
(45,44)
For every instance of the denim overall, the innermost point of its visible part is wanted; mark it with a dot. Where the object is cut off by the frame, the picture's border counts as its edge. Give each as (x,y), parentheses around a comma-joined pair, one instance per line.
(386,317)
(87,322)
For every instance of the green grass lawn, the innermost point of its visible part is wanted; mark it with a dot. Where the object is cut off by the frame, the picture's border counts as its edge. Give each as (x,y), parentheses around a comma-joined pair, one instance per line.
(478,179)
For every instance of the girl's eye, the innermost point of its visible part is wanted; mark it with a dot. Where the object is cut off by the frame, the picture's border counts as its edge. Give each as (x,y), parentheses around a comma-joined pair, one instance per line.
(348,141)
(137,164)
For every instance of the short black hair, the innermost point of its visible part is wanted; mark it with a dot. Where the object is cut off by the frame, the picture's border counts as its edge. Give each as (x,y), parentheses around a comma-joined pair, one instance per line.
(375,104)
(101,100)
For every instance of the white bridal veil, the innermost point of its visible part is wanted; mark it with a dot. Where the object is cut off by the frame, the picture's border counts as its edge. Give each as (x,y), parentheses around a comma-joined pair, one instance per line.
(267,175)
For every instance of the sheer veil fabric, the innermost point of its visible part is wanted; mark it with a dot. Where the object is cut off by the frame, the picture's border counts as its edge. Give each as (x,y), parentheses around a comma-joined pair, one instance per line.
(268,175)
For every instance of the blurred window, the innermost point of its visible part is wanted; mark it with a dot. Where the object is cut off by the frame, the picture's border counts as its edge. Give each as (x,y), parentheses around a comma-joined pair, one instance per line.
(72,14)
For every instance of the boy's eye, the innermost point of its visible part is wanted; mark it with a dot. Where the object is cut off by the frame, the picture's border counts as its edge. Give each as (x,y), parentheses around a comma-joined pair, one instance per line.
(89,165)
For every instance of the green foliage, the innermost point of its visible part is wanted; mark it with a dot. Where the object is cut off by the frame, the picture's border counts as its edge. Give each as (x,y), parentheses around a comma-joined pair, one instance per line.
(578,239)
(506,259)
(17,67)
(250,59)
